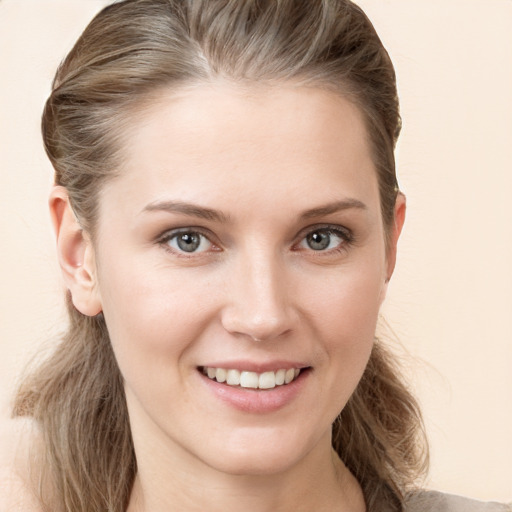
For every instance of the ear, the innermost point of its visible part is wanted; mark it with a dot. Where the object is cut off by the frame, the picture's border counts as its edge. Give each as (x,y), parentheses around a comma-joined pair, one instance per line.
(396,229)
(75,253)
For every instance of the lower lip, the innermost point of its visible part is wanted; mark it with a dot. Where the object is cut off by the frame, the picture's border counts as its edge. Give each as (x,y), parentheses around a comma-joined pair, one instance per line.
(254,400)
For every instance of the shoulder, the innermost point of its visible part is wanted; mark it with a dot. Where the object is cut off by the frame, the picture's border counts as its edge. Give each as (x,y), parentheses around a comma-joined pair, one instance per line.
(15,488)
(432,501)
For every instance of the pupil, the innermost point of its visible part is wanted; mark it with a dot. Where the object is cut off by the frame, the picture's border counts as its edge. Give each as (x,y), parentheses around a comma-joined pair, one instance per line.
(189,242)
(319,241)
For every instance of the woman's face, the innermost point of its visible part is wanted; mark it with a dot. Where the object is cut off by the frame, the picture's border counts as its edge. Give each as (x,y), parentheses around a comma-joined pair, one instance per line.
(242,240)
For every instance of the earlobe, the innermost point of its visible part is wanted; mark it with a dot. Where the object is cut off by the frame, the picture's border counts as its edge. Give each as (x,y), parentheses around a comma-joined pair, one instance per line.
(75,254)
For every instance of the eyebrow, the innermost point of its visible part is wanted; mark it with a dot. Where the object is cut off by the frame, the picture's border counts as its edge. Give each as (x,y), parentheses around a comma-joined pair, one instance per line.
(334,207)
(202,212)
(189,209)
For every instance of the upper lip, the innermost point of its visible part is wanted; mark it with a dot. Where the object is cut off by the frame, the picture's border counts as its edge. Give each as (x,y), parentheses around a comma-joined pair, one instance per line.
(257,367)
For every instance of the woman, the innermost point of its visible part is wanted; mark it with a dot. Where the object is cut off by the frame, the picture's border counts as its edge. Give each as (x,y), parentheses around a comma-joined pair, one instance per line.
(227,216)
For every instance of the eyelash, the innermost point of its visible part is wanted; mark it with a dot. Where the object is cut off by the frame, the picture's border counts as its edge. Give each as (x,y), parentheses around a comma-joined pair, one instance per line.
(170,235)
(346,236)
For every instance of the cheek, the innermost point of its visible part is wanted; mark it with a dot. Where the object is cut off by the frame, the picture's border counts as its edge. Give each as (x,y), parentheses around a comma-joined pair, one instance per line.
(152,316)
(347,303)
(344,317)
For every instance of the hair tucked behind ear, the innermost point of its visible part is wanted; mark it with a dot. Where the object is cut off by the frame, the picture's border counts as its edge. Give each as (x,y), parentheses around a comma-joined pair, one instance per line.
(131,50)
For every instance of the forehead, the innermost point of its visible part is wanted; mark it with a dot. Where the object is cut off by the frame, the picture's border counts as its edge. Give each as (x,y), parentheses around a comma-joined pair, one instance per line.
(274,142)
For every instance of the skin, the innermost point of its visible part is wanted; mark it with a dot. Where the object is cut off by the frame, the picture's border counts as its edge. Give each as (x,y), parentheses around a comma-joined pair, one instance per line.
(268,161)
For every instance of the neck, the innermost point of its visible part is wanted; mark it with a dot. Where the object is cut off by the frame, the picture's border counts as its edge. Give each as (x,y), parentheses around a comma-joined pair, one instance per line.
(319,482)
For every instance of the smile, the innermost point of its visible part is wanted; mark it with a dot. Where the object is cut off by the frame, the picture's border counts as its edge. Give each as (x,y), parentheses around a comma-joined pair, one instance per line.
(252,380)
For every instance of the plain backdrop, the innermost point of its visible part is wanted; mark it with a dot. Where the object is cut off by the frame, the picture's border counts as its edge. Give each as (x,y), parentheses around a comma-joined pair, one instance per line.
(450,301)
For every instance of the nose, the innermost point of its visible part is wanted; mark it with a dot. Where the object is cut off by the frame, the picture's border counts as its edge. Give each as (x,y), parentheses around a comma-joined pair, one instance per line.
(259,302)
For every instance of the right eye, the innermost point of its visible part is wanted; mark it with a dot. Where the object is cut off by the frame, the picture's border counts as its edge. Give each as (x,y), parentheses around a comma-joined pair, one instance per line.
(188,242)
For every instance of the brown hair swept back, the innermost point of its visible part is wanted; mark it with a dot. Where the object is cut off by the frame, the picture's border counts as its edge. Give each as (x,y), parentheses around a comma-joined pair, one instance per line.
(131,49)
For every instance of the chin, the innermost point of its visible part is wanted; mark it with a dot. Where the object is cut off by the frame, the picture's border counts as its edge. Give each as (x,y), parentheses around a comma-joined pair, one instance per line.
(260,455)
(252,465)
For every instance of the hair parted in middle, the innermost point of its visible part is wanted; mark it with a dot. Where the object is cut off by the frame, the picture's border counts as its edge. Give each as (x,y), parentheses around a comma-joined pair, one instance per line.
(130,52)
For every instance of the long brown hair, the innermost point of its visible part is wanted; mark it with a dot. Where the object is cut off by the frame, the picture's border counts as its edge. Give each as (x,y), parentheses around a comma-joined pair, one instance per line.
(131,49)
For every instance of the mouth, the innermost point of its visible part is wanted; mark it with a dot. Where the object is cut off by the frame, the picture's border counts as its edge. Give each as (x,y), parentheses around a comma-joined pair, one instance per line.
(252,380)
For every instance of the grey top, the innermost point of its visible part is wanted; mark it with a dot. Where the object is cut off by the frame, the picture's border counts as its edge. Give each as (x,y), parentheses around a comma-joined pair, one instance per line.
(431,501)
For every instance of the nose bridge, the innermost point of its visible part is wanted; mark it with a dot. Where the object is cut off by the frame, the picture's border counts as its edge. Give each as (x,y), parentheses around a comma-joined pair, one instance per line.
(259,304)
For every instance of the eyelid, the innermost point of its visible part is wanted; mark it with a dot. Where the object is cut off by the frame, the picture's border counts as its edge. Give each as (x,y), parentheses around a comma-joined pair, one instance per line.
(169,234)
(334,228)
(343,232)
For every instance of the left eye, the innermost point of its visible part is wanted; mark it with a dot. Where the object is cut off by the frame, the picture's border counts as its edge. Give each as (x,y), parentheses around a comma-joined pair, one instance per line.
(323,239)
(189,242)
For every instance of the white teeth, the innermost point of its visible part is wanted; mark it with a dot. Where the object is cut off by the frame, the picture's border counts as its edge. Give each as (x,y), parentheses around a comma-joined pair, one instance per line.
(249,380)
(220,375)
(289,375)
(267,380)
(253,380)
(280,377)
(233,377)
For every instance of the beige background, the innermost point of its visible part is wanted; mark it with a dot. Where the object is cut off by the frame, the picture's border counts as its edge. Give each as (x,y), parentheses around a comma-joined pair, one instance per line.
(450,301)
